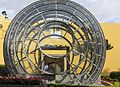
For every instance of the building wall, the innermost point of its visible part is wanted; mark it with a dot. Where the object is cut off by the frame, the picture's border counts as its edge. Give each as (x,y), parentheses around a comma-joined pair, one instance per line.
(111,31)
(5,23)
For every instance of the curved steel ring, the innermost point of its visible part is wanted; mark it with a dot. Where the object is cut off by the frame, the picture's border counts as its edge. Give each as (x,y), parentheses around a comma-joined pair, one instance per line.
(76,28)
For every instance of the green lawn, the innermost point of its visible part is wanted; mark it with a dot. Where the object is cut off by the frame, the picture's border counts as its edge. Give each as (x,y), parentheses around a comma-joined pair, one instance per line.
(116,84)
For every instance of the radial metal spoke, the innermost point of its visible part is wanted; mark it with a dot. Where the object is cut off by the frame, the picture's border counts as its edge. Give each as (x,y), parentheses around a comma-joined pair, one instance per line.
(28,38)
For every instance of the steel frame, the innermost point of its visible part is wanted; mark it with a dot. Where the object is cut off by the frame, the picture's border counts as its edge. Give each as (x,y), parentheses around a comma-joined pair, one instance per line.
(42,16)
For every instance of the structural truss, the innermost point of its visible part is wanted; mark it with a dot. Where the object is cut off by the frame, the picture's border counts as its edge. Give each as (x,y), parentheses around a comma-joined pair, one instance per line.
(55,38)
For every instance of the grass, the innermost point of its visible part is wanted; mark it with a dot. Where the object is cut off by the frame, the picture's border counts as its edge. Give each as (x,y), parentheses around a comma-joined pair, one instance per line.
(116,84)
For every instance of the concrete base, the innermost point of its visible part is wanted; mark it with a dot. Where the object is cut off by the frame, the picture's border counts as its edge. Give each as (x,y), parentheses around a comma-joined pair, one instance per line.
(67,79)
